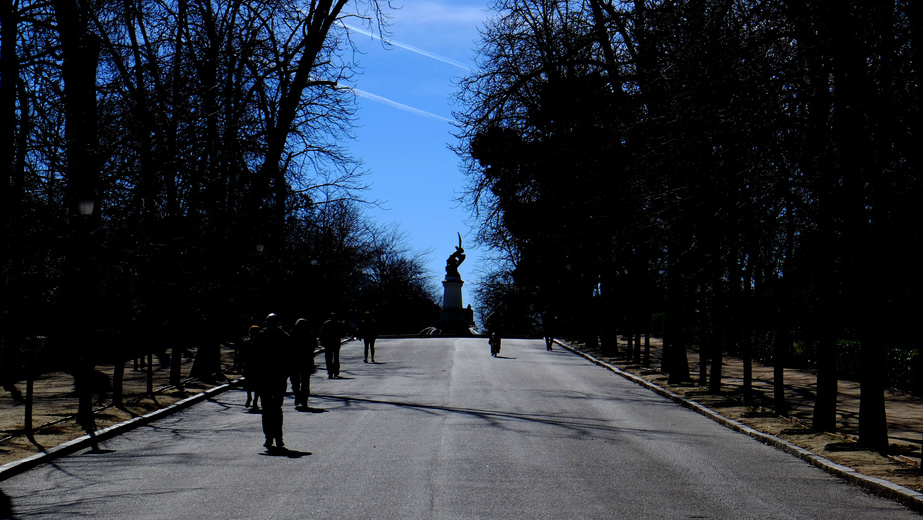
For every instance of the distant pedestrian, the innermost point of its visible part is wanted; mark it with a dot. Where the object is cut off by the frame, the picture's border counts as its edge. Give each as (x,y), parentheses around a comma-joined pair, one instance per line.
(331,334)
(304,343)
(549,326)
(245,367)
(368,332)
(493,323)
(270,360)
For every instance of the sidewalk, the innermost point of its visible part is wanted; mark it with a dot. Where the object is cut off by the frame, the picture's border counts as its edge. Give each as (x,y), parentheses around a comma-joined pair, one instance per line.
(905,422)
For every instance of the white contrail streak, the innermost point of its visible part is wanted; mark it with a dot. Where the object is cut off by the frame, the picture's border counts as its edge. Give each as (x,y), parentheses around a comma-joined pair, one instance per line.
(400,106)
(411,48)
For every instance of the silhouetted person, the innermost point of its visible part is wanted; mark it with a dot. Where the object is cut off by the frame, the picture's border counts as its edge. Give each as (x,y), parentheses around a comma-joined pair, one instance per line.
(549,327)
(331,332)
(270,360)
(494,322)
(303,345)
(89,382)
(244,366)
(368,331)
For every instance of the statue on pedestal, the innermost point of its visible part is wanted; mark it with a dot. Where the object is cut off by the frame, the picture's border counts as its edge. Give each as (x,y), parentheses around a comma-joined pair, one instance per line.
(456,320)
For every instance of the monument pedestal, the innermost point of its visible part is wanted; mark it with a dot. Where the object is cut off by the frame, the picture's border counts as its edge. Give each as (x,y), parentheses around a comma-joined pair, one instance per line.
(456,319)
(452,298)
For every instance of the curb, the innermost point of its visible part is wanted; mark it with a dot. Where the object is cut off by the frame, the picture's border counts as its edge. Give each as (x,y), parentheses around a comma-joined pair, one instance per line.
(21,465)
(881,487)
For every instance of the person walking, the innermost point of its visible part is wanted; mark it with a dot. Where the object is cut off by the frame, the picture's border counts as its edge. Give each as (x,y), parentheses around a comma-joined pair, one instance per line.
(270,359)
(549,326)
(331,333)
(493,322)
(368,332)
(241,361)
(304,343)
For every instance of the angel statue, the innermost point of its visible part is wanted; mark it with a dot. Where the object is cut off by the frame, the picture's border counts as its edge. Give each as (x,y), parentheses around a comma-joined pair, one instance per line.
(452,263)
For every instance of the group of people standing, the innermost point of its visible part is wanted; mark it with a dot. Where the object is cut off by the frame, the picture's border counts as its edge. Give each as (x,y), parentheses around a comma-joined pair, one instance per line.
(270,357)
(494,322)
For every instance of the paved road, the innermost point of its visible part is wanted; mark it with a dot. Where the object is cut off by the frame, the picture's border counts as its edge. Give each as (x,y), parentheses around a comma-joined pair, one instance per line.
(441,430)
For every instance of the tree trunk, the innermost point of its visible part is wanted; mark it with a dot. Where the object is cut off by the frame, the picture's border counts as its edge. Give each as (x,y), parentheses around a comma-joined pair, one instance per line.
(854,99)
(118,377)
(716,347)
(150,373)
(744,320)
(674,360)
(873,424)
(9,76)
(818,159)
(781,344)
(30,399)
(824,419)
(609,342)
(176,365)
(703,364)
(78,290)
(637,359)
(629,334)
(720,327)
(80,58)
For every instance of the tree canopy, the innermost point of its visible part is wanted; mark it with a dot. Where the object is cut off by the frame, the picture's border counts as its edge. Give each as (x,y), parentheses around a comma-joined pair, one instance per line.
(180,167)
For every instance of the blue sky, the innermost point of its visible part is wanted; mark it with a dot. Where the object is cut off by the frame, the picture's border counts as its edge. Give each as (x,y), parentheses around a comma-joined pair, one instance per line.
(404,107)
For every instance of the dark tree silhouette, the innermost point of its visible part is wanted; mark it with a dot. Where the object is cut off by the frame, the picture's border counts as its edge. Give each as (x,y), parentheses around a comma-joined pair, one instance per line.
(755,160)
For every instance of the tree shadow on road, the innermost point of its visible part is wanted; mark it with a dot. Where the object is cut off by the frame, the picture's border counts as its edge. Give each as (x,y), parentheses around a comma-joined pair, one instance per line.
(6,506)
(504,419)
(96,451)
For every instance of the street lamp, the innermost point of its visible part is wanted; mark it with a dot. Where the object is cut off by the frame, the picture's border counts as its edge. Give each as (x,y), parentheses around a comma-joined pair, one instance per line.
(85,206)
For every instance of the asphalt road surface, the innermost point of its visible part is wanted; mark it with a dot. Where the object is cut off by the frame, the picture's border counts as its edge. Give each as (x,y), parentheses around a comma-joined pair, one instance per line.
(441,430)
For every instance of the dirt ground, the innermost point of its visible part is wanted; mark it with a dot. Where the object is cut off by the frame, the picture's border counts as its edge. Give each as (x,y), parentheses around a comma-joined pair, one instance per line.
(56,404)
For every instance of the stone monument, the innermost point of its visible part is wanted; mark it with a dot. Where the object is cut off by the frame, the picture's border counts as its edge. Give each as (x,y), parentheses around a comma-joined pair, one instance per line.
(456,319)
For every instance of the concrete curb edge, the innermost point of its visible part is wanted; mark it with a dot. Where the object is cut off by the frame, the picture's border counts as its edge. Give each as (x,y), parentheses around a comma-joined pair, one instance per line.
(19,466)
(880,487)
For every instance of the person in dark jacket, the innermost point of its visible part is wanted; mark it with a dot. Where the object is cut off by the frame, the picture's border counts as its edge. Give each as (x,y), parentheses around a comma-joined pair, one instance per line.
(549,326)
(304,343)
(244,351)
(494,322)
(368,332)
(331,334)
(269,362)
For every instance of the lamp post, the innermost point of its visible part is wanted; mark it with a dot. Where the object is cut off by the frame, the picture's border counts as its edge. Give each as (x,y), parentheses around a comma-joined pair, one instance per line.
(81,303)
